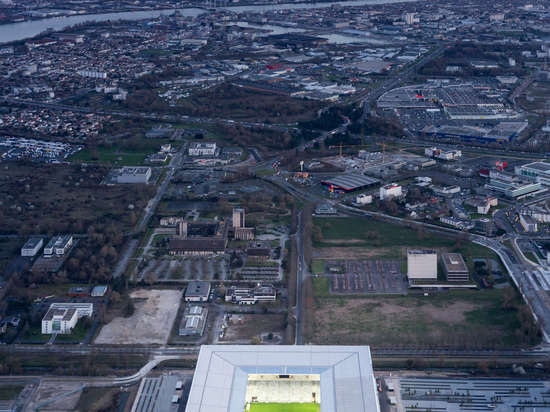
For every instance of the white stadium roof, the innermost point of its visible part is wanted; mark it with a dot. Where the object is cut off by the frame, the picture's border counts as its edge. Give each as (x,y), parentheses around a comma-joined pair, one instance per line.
(221,376)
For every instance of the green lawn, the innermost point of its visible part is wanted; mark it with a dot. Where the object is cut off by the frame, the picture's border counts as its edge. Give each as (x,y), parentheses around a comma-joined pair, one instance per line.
(112,156)
(459,319)
(285,407)
(371,233)
(318,266)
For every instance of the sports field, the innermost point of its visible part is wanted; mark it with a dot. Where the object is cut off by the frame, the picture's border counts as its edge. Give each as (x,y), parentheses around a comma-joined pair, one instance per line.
(285,407)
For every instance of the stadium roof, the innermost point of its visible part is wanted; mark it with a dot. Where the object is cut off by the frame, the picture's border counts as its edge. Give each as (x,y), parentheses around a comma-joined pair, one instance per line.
(350,182)
(221,376)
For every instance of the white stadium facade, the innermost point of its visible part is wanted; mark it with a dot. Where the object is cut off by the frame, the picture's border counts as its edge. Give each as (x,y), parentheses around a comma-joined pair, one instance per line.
(228,378)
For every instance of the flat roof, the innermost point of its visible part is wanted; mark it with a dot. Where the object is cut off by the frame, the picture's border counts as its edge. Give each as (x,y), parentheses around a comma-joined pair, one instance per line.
(350,181)
(197,288)
(540,166)
(421,252)
(32,242)
(222,371)
(454,262)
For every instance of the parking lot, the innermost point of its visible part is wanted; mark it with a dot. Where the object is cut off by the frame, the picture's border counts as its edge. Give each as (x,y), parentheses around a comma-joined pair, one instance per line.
(184,269)
(366,276)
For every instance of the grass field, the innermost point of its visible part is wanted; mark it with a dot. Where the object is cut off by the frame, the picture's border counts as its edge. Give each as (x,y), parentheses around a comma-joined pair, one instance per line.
(285,407)
(459,319)
(386,241)
(112,156)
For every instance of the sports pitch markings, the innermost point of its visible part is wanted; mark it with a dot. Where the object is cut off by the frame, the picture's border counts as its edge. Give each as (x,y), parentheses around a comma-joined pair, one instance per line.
(285,407)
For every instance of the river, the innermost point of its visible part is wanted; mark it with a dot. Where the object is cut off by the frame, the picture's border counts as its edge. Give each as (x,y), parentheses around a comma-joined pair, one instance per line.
(28,29)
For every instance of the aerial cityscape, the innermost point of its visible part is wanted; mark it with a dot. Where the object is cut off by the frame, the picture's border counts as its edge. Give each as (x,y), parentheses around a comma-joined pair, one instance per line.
(290,206)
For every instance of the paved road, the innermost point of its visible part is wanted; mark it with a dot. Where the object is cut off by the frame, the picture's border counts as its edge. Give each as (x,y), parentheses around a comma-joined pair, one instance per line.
(299,281)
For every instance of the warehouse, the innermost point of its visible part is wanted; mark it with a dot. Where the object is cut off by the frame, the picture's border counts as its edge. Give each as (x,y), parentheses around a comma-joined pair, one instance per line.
(421,265)
(349,183)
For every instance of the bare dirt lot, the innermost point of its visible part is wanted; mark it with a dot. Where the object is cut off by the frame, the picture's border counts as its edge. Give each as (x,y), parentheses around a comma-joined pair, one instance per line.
(254,329)
(56,396)
(155,311)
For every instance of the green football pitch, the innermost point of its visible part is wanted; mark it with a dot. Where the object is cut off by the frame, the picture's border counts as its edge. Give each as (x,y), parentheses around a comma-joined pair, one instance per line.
(285,407)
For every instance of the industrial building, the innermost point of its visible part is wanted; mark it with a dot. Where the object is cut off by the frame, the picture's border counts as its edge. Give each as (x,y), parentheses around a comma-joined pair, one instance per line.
(32,246)
(197,291)
(349,183)
(133,175)
(58,245)
(230,377)
(454,267)
(193,321)
(159,394)
(421,265)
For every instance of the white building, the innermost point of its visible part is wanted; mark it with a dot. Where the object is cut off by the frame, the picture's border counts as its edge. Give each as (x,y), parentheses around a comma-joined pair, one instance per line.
(410,18)
(193,321)
(390,191)
(32,246)
(62,317)
(229,377)
(446,190)
(202,149)
(134,175)
(249,296)
(363,199)
(58,245)
(421,264)
(528,223)
(442,154)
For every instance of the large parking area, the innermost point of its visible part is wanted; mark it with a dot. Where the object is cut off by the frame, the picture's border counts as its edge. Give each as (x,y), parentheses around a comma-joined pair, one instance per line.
(184,269)
(366,276)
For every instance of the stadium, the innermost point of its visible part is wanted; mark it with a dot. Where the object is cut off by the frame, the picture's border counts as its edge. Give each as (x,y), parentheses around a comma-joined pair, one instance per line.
(234,378)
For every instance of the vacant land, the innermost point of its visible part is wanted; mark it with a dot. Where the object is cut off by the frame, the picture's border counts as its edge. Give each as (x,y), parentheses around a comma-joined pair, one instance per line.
(155,311)
(357,238)
(284,407)
(97,399)
(457,319)
(56,396)
(42,199)
(112,156)
(255,328)
(232,102)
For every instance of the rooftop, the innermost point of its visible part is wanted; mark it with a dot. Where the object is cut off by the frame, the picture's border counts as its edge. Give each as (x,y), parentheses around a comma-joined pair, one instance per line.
(222,374)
